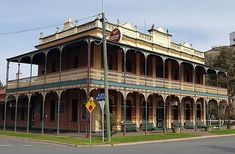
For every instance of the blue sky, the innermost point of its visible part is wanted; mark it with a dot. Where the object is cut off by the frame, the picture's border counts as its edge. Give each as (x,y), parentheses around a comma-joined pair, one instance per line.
(203,23)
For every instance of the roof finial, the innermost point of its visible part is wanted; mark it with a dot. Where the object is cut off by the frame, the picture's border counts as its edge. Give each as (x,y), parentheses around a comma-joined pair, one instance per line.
(41,34)
(153,26)
(118,21)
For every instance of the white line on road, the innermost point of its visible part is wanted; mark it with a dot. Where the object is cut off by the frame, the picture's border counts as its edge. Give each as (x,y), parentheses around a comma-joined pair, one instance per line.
(28,145)
(1,145)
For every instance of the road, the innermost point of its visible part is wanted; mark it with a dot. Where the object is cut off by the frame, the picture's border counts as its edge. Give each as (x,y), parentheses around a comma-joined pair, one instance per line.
(222,145)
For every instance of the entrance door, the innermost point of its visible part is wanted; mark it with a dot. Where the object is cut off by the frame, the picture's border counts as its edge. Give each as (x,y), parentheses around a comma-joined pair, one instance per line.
(160,117)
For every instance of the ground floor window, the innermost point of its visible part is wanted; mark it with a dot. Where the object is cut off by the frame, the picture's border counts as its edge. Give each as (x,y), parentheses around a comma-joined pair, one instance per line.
(111,106)
(175,112)
(198,112)
(84,112)
(62,107)
(74,110)
(52,111)
(2,111)
(144,111)
(187,112)
(22,117)
(128,110)
(12,113)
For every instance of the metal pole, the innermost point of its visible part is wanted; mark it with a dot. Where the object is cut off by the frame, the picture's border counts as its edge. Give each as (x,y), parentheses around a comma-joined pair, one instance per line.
(58,113)
(180,116)
(164,102)
(195,110)
(90,129)
(146,99)
(124,97)
(5,114)
(16,112)
(164,116)
(5,108)
(180,97)
(217,84)
(102,125)
(18,75)
(44,95)
(43,112)
(28,116)
(218,116)
(146,117)
(106,79)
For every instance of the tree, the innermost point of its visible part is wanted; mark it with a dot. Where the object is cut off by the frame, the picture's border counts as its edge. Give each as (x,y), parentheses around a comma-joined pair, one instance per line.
(224,58)
(1,85)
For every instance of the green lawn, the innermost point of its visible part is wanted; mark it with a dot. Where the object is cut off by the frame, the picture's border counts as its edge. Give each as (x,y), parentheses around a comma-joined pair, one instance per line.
(95,140)
(50,138)
(152,137)
(223,132)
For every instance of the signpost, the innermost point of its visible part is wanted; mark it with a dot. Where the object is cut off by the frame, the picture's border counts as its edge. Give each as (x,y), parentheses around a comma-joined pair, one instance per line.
(100,98)
(90,105)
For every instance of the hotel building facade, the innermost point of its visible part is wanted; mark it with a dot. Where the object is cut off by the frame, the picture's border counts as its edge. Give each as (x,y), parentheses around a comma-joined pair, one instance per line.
(150,79)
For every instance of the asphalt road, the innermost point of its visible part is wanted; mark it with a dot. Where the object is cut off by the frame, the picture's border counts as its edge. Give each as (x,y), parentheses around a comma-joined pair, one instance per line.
(222,145)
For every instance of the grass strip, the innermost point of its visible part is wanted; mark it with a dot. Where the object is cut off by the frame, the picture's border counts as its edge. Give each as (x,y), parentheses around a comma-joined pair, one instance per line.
(151,137)
(50,138)
(74,141)
(223,132)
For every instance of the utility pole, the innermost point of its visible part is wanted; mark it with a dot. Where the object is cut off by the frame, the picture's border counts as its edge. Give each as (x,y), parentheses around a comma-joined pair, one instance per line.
(106,80)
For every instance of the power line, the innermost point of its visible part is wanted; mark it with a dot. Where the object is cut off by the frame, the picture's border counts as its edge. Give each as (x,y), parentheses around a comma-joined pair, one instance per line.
(46,27)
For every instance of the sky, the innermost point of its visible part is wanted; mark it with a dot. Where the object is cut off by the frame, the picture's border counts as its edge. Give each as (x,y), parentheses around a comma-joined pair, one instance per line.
(202,23)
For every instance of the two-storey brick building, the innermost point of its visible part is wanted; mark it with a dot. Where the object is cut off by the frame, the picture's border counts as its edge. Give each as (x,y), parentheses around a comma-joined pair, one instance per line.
(147,72)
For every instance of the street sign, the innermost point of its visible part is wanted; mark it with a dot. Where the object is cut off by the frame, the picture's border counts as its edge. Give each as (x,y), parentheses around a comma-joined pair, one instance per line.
(90,105)
(102,103)
(100,97)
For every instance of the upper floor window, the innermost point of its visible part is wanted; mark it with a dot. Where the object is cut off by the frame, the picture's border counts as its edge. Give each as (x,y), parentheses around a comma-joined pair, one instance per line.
(128,65)
(55,66)
(110,62)
(76,62)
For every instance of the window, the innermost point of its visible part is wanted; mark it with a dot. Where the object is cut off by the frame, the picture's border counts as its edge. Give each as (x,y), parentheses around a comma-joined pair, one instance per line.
(144,111)
(74,110)
(128,110)
(52,111)
(142,72)
(110,64)
(187,112)
(198,112)
(55,66)
(12,113)
(128,65)
(159,71)
(41,111)
(175,74)
(175,112)
(62,107)
(2,111)
(22,117)
(110,106)
(76,62)
(84,112)
(37,108)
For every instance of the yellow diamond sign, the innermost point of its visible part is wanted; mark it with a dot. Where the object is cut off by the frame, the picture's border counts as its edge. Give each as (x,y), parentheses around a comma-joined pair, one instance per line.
(90,105)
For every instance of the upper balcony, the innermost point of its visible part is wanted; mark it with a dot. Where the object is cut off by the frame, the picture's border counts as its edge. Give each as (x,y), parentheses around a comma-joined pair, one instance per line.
(127,68)
(116,77)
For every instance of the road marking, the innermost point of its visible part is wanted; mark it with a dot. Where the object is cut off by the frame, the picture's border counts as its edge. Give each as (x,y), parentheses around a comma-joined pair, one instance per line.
(5,145)
(28,145)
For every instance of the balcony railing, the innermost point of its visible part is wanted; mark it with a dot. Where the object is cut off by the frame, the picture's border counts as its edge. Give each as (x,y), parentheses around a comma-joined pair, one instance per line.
(113,76)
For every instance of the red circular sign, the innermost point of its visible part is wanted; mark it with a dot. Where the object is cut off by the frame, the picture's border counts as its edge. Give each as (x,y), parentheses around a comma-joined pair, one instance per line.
(115,35)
